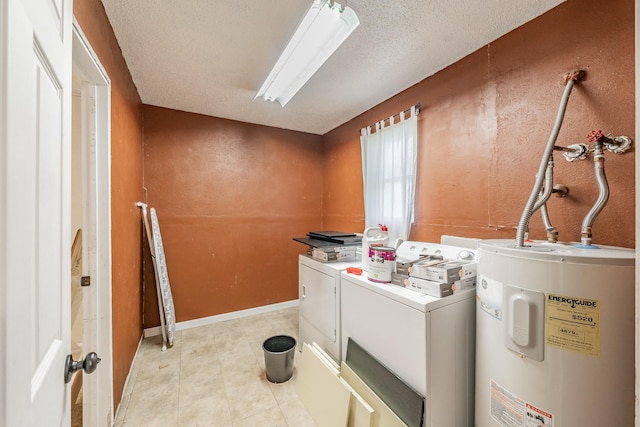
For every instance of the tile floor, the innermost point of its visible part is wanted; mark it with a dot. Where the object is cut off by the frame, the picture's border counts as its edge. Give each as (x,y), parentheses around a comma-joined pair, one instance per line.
(213,376)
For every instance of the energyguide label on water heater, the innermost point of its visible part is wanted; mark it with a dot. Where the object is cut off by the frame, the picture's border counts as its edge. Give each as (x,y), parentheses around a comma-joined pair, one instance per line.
(573,324)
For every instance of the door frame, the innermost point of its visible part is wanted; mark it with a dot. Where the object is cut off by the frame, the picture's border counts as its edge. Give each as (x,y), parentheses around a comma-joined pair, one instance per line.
(637,214)
(96,171)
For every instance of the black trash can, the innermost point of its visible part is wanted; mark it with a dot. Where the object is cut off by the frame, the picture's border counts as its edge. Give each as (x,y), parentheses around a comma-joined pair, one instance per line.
(278,357)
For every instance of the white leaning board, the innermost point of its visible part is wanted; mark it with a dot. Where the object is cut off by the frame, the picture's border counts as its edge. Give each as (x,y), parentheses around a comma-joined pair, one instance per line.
(335,396)
(162,279)
(163,288)
(321,391)
(382,415)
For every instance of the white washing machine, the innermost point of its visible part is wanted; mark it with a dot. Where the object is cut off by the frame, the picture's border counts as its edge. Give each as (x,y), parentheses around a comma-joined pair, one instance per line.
(319,303)
(426,341)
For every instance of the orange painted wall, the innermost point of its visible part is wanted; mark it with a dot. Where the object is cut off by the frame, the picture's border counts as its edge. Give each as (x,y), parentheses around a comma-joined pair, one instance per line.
(126,190)
(486,119)
(230,196)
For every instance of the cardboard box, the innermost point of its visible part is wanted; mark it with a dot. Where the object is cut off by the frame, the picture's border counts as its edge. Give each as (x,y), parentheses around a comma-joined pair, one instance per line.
(334,256)
(435,289)
(399,279)
(464,284)
(447,272)
(335,249)
(403,265)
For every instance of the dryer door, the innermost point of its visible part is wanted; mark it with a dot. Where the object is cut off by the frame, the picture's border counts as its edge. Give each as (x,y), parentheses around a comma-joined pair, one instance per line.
(317,306)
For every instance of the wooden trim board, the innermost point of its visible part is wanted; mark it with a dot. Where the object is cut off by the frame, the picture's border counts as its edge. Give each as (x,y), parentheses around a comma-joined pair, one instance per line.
(321,391)
(329,399)
(383,416)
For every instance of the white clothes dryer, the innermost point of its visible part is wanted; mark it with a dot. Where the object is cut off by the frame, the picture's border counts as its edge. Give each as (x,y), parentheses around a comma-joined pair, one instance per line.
(319,303)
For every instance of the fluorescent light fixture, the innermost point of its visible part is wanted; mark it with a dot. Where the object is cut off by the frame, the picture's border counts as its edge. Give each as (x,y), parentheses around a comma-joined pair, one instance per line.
(323,29)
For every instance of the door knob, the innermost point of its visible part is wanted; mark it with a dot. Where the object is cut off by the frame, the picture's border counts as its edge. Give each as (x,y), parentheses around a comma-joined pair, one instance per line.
(88,364)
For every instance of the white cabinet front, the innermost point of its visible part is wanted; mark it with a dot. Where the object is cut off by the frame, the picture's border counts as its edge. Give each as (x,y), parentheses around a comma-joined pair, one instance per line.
(318,301)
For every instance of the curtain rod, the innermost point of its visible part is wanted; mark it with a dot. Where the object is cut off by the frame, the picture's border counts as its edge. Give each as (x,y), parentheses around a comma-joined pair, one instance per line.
(418,106)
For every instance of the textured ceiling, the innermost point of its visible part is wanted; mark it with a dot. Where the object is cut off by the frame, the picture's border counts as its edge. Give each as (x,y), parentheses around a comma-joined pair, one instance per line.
(212,56)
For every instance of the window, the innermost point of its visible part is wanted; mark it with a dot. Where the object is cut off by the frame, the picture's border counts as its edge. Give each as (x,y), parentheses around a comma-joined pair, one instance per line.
(389,173)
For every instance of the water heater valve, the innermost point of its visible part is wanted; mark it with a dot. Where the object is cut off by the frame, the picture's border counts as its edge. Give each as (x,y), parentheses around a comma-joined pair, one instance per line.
(616,144)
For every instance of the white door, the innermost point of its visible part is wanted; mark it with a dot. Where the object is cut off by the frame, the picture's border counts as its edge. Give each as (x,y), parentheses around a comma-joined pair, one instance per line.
(35,84)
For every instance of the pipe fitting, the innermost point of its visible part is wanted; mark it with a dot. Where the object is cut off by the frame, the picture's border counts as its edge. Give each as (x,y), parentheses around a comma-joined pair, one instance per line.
(576,152)
(560,190)
(618,144)
(574,75)
(585,237)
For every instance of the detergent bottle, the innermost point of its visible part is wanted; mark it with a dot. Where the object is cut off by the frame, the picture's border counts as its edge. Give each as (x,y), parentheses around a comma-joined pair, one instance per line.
(373,236)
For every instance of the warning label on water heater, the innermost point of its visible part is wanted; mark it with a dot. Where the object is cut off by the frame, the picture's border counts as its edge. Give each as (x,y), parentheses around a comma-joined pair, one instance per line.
(511,411)
(573,324)
(506,408)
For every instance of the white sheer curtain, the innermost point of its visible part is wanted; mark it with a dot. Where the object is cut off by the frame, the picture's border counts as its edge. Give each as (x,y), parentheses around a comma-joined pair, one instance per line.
(389,174)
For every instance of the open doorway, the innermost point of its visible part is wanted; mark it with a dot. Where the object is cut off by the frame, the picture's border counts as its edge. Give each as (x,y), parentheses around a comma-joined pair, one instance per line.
(91,395)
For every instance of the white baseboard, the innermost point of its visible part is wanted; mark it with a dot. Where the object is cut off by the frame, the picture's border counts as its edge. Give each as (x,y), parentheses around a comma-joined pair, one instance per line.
(115,419)
(181,326)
